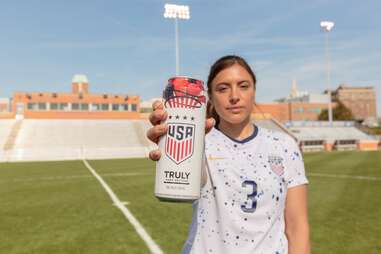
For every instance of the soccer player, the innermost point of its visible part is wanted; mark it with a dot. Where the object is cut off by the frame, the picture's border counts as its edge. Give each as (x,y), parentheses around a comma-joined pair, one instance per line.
(254,194)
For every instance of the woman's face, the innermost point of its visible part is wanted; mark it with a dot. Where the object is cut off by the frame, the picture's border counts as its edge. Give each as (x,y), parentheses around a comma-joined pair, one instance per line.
(233,94)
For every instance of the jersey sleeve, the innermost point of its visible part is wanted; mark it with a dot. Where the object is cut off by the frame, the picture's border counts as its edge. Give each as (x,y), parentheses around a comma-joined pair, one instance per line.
(295,172)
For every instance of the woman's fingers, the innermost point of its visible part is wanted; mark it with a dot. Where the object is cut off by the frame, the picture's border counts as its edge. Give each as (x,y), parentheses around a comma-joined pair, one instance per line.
(209,123)
(155,155)
(158,114)
(157,105)
(154,133)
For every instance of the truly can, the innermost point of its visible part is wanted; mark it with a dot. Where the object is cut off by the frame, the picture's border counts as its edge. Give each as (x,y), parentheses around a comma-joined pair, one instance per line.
(178,172)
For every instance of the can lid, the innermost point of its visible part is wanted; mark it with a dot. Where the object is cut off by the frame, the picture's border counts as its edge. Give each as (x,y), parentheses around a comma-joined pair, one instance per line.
(187,79)
(184,87)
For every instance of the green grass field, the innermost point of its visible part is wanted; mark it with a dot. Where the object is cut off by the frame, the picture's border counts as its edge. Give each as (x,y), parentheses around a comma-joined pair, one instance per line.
(59,207)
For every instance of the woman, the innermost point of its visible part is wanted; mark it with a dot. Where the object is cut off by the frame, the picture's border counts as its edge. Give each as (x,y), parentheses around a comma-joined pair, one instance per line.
(254,194)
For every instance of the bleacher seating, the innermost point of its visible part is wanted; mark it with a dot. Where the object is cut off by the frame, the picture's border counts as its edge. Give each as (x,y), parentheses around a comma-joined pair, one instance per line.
(312,136)
(268,124)
(323,133)
(75,139)
(5,129)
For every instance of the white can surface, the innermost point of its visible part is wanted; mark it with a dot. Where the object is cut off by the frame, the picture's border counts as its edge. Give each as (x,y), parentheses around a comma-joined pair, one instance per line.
(178,172)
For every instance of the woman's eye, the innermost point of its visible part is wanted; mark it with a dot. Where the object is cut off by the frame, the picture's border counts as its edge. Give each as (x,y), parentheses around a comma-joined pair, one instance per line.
(245,85)
(221,88)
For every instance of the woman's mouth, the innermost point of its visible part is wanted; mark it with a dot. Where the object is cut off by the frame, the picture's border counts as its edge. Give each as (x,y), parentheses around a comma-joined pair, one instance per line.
(235,109)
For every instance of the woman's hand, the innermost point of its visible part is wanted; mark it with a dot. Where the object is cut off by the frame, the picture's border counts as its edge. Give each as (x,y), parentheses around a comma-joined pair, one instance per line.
(157,117)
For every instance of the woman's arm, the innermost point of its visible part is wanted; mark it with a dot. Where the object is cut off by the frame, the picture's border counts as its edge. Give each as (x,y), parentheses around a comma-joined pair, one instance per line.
(296,217)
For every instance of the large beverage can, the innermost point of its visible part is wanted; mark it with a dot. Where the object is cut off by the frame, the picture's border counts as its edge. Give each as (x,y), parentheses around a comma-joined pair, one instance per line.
(178,172)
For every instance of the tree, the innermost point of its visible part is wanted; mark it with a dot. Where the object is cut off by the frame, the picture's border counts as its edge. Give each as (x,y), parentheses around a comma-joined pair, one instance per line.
(340,112)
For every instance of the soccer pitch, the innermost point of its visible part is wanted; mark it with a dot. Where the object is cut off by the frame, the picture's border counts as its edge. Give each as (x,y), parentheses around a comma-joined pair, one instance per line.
(60,207)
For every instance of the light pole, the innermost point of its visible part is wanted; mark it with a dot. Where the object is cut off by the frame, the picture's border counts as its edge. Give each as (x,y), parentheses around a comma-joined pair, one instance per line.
(173,11)
(327,27)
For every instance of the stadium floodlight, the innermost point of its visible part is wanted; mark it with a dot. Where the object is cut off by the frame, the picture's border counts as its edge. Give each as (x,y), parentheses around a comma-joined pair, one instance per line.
(173,11)
(327,27)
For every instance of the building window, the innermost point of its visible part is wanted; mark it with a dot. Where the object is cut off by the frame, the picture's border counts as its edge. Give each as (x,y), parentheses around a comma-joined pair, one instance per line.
(95,107)
(105,107)
(314,110)
(41,106)
(53,106)
(312,142)
(346,142)
(299,110)
(134,107)
(63,106)
(75,106)
(32,106)
(115,107)
(84,106)
(124,107)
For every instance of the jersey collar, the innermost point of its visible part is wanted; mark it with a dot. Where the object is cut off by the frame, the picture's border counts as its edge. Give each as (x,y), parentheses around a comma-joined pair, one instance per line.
(243,141)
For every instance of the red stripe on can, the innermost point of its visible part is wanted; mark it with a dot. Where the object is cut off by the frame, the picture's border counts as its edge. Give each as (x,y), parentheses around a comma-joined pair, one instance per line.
(171,149)
(182,150)
(186,146)
(177,151)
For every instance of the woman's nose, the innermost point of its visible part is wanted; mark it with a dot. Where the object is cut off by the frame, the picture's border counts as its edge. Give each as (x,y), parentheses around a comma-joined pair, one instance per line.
(234,97)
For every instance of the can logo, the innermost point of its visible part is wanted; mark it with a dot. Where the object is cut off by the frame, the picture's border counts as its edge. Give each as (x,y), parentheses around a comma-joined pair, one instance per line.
(180,141)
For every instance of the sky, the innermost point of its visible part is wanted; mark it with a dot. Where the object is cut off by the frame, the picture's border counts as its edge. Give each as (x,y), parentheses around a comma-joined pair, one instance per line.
(127,47)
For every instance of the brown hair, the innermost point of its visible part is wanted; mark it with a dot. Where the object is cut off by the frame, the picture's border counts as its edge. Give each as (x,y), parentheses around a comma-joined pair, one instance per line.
(220,65)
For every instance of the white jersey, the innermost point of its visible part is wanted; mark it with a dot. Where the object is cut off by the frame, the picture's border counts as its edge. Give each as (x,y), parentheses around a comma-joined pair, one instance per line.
(241,209)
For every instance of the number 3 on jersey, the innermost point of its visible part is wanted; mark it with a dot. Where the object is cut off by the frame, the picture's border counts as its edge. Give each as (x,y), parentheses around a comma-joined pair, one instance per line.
(250,204)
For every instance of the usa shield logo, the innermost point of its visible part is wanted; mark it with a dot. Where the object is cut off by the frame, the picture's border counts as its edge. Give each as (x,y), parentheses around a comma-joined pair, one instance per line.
(179,143)
(276,164)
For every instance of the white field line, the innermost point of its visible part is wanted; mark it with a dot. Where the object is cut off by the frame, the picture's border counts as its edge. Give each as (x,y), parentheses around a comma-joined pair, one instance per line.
(368,178)
(153,247)
(54,178)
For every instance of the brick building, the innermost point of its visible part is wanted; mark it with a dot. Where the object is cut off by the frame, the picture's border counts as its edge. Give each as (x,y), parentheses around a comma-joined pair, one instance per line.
(360,100)
(291,111)
(79,104)
(304,106)
(5,105)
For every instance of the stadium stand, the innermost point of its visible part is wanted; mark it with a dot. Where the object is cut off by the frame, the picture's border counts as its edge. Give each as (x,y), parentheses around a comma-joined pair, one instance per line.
(5,129)
(319,136)
(75,139)
(274,125)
